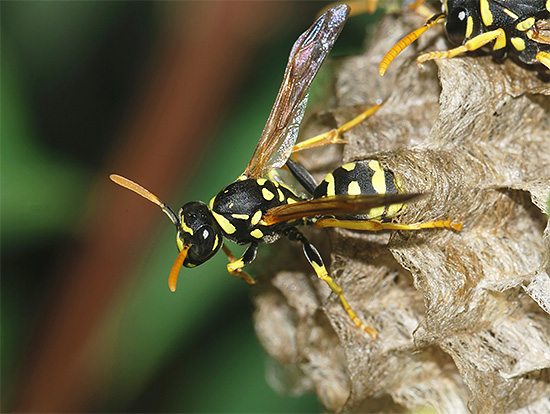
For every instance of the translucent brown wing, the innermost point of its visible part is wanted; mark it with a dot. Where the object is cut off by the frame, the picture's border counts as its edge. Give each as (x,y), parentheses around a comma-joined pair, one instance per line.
(307,55)
(541,31)
(334,205)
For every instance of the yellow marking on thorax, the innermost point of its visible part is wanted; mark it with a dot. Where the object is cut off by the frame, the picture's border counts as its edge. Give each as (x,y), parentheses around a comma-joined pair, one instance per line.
(330,181)
(378,178)
(518,43)
(290,201)
(240,216)
(261,181)
(353,188)
(526,24)
(268,195)
(185,227)
(548,5)
(281,195)
(510,13)
(256,217)
(224,223)
(486,14)
(350,166)
(469,27)
(242,177)
(256,233)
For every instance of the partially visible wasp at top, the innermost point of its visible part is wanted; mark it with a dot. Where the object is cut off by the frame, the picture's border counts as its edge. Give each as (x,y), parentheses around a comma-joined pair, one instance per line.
(258,208)
(514,27)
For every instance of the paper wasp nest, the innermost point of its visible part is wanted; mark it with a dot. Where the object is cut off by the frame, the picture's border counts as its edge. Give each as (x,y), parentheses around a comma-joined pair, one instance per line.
(463,317)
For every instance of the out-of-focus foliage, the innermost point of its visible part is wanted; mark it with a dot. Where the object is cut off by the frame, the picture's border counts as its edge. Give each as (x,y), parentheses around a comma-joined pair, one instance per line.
(70,71)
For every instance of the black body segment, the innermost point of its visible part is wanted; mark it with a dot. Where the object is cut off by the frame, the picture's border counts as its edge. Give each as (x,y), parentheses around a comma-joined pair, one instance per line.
(240,206)
(362,177)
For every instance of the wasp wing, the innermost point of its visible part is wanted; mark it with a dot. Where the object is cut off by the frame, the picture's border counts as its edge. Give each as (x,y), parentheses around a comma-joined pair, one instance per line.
(307,55)
(334,205)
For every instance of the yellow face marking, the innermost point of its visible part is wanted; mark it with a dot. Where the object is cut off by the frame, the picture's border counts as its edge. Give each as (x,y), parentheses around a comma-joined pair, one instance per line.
(179,242)
(486,14)
(353,188)
(469,27)
(268,195)
(518,43)
(526,24)
(256,217)
(378,178)
(240,216)
(330,181)
(261,181)
(349,166)
(185,227)
(281,195)
(256,233)
(510,13)
(224,223)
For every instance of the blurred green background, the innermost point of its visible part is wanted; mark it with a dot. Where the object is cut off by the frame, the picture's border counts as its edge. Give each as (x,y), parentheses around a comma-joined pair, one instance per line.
(173,95)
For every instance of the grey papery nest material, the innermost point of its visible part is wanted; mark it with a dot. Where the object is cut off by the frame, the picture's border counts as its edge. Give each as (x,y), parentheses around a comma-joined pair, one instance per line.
(463,316)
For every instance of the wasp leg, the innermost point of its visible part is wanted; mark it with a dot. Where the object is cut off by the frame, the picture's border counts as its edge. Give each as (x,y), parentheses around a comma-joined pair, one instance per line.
(544,58)
(333,136)
(472,44)
(374,225)
(235,267)
(314,258)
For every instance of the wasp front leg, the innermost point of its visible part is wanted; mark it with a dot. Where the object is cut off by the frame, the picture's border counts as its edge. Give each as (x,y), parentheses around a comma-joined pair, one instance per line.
(314,258)
(472,44)
(235,267)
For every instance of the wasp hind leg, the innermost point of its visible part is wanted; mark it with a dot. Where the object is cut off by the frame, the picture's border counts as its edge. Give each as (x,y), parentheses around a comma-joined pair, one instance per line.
(472,44)
(374,225)
(235,267)
(314,258)
(334,135)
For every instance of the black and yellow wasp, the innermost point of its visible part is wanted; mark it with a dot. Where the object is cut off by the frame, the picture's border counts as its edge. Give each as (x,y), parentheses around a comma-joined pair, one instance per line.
(258,209)
(516,28)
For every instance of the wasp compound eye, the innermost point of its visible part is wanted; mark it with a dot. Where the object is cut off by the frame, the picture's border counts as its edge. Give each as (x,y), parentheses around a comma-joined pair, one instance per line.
(456,24)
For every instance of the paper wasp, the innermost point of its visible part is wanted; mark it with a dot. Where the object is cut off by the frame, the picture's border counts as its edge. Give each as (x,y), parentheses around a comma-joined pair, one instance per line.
(256,209)
(517,28)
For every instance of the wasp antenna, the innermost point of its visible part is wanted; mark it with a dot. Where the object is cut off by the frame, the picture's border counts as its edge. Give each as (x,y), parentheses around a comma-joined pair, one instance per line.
(406,41)
(173,278)
(138,189)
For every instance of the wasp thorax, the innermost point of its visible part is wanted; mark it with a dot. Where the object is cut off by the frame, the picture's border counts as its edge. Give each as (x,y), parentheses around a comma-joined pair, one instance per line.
(199,230)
